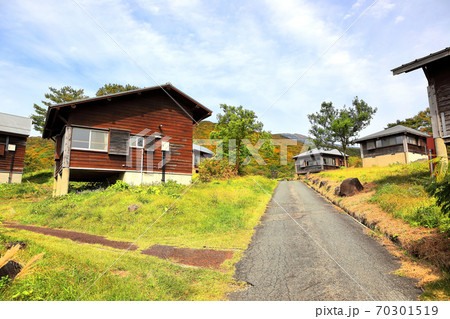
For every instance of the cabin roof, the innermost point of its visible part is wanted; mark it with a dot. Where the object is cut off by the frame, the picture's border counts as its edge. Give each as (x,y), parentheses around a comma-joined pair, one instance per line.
(418,63)
(395,130)
(202,149)
(319,151)
(15,124)
(200,111)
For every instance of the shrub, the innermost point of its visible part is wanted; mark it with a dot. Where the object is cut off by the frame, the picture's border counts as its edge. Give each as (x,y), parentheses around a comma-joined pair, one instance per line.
(119,186)
(354,161)
(441,191)
(212,169)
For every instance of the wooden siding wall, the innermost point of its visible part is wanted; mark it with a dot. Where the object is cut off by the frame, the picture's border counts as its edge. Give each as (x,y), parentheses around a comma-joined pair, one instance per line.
(442,89)
(19,157)
(136,113)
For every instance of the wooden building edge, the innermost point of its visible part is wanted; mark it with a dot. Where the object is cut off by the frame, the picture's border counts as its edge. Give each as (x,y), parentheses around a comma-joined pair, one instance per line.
(14,131)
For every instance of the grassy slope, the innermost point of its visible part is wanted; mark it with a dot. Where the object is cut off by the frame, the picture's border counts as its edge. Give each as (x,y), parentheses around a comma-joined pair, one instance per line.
(221,214)
(400,191)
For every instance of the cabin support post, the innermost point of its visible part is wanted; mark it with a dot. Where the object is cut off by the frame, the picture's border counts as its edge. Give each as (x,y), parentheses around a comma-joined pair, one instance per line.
(64,181)
(405,148)
(441,152)
(61,181)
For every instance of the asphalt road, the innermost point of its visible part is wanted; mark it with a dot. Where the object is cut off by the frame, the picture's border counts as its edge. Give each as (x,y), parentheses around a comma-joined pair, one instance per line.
(318,254)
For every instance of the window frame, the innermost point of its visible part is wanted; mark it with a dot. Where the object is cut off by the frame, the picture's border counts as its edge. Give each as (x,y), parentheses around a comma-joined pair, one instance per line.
(137,138)
(90,139)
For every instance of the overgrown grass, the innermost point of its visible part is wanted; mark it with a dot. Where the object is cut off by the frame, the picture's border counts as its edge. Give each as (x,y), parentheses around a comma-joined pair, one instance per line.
(219,214)
(209,214)
(400,191)
(68,269)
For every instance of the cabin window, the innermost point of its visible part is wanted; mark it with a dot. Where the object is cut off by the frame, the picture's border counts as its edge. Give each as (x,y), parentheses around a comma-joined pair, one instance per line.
(89,139)
(329,161)
(412,140)
(137,141)
(389,141)
(370,145)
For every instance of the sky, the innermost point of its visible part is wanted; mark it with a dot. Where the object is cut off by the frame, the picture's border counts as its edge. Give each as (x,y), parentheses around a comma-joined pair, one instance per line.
(281,59)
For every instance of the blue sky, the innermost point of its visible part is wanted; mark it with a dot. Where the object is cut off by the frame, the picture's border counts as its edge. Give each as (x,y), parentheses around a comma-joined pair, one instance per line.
(263,55)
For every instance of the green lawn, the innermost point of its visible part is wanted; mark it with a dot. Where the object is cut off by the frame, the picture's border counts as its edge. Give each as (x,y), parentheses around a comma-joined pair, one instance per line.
(220,214)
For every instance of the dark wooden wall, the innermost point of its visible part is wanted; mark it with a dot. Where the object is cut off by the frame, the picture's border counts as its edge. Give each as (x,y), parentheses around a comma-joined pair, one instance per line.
(19,156)
(136,113)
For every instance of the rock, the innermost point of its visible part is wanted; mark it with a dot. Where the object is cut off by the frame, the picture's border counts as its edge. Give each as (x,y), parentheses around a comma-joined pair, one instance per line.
(10,269)
(350,187)
(337,191)
(133,208)
(328,188)
(323,183)
(22,244)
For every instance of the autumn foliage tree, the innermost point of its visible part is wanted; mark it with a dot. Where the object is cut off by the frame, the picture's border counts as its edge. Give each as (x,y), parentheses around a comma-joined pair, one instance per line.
(421,122)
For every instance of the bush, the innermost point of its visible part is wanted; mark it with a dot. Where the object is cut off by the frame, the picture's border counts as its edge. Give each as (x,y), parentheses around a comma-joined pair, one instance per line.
(441,191)
(354,161)
(120,186)
(212,169)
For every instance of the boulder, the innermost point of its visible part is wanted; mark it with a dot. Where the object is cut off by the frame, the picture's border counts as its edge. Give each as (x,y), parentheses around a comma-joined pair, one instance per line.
(133,208)
(10,269)
(350,187)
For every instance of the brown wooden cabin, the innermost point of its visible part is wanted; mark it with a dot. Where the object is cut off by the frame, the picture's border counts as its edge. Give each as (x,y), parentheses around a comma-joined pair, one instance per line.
(436,67)
(124,136)
(317,160)
(398,144)
(14,131)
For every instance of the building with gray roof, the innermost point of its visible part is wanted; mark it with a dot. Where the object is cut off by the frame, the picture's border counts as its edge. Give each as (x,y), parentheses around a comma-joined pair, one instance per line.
(317,160)
(14,131)
(398,144)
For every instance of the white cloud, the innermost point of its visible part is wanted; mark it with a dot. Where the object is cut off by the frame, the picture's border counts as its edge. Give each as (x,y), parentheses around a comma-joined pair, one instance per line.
(399,19)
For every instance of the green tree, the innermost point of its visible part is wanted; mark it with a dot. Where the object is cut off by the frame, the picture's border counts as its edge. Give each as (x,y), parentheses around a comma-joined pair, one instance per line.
(237,124)
(421,121)
(330,125)
(114,88)
(64,94)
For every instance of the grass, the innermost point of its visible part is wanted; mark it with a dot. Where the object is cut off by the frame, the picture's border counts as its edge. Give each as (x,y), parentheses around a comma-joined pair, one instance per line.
(220,214)
(400,191)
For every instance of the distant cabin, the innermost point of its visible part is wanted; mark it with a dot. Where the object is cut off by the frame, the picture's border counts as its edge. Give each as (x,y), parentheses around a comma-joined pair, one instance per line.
(317,160)
(398,144)
(140,136)
(199,153)
(14,131)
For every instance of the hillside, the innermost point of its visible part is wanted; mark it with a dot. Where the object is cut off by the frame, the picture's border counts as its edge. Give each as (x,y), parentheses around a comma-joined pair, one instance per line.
(38,154)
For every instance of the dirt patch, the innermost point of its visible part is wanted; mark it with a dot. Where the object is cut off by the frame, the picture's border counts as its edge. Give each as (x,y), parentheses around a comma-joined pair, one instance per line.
(187,256)
(73,235)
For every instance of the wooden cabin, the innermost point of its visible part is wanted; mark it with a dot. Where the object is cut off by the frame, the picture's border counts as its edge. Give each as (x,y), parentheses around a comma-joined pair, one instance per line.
(398,144)
(140,137)
(199,153)
(436,67)
(14,131)
(317,160)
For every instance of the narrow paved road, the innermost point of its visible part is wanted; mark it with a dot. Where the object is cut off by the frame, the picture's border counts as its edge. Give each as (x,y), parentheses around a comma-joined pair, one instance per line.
(286,259)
